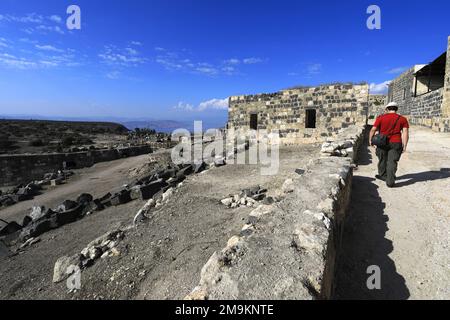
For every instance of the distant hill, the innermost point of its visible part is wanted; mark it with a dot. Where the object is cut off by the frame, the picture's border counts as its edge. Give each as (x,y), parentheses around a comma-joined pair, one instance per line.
(34,136)
(158,125)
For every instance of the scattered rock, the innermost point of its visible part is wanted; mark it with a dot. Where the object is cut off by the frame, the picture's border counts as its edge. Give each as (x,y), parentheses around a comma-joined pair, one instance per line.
(247,198)
(60,271)
(288,186)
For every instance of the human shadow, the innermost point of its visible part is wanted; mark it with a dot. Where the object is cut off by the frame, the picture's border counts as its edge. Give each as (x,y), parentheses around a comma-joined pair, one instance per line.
(364,244)
(413,178)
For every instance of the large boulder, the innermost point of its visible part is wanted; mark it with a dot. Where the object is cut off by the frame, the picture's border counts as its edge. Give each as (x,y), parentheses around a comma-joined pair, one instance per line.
(121,197)
(9,228)
(67,205)
(61,271)
(39,212)
(145,192)
(69,216)
(36,228)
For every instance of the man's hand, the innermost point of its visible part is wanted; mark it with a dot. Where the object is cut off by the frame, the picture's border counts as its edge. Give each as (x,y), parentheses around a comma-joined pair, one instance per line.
(404,149)
(373,131)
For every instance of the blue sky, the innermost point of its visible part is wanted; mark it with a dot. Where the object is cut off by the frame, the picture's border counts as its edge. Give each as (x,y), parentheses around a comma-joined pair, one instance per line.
(168,59)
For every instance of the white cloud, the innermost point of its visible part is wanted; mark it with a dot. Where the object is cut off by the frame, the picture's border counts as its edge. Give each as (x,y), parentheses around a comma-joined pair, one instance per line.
(218,104)
(29,18)
(379,88)
(397,70)
(314,68)
(136,43)
(48,48)
(127,57)
(131,51)
(184,106)
(113,75)
(177,61)
(55,18)
(232,61)
(4,43)
(10,61)
(46,28)
(252,60)
(207,71)
(213,104)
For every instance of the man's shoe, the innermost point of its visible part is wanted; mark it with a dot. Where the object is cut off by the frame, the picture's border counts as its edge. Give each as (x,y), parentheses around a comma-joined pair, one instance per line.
(380,177)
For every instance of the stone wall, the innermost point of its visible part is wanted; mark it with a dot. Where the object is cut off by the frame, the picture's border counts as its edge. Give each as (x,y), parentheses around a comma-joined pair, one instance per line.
(429,109)
(16,169)
(337,106)
(289,250)
(401,91)
(426,109)
(446,99)
(377,105)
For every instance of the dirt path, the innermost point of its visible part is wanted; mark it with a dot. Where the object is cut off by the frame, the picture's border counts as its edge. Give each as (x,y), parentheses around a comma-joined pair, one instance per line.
(406,230)
(97,180)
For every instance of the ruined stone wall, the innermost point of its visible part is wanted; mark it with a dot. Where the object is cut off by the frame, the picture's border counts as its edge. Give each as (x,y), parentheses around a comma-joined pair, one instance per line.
(16,169)
(289,250)
(377,105)
(446,98)
(337,106)
(401,91)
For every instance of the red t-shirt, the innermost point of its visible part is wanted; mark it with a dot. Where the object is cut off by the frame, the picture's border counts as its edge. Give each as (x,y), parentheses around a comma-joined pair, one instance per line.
(385,123)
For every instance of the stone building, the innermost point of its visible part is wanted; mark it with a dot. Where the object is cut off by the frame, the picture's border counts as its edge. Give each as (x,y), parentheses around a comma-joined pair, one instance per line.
(423,93)
(301,115)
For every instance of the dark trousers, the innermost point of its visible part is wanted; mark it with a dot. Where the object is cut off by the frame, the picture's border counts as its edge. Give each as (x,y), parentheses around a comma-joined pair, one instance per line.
(388,157)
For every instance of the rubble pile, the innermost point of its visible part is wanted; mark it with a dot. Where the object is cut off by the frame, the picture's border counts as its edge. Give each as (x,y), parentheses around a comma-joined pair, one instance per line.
(101,248)
(247,198)
(344,144)
(34,188)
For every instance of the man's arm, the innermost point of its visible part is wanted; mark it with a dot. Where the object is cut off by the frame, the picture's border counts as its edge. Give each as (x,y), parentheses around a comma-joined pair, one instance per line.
(405,138)
(371,134)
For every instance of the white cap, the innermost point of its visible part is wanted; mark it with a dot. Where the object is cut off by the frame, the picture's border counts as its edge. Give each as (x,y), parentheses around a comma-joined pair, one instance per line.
(392,104)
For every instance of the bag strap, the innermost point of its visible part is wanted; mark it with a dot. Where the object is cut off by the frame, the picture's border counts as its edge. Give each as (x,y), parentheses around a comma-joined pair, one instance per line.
(393,127)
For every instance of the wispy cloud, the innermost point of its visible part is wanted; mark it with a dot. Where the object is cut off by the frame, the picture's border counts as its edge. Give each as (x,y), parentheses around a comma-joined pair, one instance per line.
(212,104)
(48,47)
(13,62)
(252,60)
(379,88)
(113,75)
(126,57)
(314,68)
(4,43)
(397,70)
(34,22)
(43,56)
(28,18)
(178,61)
(55,18)
(46,28)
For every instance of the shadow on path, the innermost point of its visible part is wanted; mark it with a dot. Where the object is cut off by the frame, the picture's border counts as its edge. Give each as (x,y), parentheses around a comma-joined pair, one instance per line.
(413,178)
(364,244)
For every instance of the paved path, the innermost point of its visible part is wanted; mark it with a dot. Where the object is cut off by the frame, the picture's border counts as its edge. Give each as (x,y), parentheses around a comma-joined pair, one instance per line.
(405,230)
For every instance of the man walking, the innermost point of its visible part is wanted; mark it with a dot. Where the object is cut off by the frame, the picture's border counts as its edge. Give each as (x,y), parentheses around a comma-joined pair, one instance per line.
(396,128)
